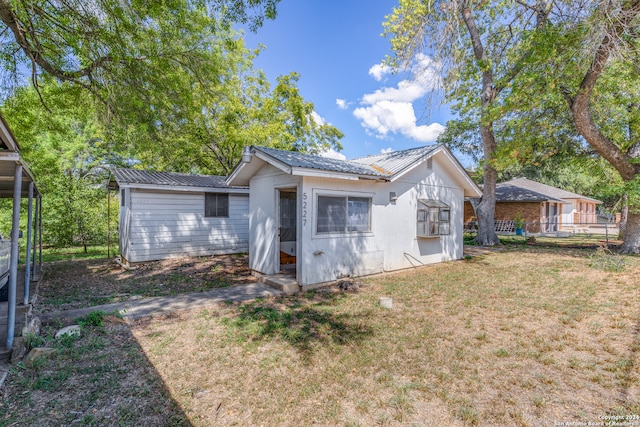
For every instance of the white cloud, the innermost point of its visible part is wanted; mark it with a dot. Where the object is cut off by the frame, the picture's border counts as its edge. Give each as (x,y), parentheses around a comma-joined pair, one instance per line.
(332,154)
(378,71)
(387,150)
(342,104)
(384,117)
(390,109)
(317,118)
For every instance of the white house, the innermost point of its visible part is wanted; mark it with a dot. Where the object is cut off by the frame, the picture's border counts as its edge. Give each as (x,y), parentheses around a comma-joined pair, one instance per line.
(335,218)
(165,215)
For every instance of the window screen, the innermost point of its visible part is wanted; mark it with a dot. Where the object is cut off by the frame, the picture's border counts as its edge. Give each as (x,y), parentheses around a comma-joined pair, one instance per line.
(359,210)
(332,214)
(216,205)
(342,214)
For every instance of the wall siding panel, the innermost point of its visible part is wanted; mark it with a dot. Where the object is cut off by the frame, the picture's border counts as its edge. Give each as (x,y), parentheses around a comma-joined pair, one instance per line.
(172,224)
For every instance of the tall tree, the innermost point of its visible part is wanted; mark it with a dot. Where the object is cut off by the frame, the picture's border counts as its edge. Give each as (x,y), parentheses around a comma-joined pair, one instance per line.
(69,158)
(616,49)
(202,125)
(92,42)
(482,47)
(175,85)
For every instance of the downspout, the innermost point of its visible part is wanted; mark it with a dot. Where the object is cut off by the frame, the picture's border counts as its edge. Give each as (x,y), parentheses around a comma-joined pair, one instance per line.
(27,270)
(15,252)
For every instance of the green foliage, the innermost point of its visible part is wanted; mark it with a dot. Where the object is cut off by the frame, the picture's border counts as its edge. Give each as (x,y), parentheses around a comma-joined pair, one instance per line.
(69,157)
(165,86)
(32,341)
(518,222)
(93,319)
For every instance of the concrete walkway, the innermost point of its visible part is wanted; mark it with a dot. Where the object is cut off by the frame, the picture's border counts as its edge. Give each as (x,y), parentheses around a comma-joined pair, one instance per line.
(137,308)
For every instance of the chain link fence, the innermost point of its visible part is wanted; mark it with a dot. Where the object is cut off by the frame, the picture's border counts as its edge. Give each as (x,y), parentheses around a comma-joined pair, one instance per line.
(587,233)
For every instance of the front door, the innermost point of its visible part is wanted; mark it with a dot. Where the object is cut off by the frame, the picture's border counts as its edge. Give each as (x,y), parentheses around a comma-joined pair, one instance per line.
(287,230)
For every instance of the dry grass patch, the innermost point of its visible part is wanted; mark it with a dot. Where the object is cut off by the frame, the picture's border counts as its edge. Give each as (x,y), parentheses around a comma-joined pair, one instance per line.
(525,337)
(528,336)
(81,283)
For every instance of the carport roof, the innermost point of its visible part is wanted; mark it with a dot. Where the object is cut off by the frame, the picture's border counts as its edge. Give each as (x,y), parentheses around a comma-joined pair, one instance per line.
(10,158)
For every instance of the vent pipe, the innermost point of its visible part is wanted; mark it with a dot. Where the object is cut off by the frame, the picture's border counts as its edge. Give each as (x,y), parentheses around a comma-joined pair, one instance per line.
(246,154)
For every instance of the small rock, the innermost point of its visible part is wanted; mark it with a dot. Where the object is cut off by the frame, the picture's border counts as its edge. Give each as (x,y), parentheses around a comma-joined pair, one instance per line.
(69,330)
(18,350)
(32,328)
(37,353)
(349,286)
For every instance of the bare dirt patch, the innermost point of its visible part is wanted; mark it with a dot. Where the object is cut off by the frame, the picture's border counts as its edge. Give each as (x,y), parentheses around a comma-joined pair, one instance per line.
(85,283)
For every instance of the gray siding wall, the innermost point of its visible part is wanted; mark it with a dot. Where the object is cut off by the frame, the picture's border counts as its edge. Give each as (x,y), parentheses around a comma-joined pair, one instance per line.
(172,224)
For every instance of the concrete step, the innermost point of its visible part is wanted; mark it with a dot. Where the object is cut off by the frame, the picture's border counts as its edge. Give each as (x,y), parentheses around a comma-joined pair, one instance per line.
(282,282)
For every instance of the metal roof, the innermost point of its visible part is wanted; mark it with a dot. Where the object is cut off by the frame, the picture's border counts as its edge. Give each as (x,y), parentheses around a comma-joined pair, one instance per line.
(379,165)
(309,161)
(396,161)
(520,188)
(135,177)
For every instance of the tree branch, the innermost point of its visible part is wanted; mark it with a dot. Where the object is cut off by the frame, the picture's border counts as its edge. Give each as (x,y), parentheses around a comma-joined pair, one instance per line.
(580,104)
(9,18)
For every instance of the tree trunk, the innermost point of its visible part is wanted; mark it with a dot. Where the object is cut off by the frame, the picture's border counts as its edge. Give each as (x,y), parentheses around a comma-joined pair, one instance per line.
(624,215)
(581,113)
(631,243)
(485,210)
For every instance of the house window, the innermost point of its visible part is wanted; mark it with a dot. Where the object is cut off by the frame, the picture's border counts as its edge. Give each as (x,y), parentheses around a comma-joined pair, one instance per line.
(338,214)
(434,218)
(216,205)
(122,197)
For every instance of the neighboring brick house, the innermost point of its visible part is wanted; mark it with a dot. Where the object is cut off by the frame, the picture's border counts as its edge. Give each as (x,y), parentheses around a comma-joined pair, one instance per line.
(543,207)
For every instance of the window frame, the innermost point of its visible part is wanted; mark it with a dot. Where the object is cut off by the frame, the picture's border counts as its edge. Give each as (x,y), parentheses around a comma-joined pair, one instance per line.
(433,218)
(216,214)
(350,227)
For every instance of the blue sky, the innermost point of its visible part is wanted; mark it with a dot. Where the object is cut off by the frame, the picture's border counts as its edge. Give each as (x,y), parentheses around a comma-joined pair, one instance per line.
(337,47)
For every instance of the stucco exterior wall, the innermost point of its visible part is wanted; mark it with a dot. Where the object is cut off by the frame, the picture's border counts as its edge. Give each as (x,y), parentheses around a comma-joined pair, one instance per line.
(391,243)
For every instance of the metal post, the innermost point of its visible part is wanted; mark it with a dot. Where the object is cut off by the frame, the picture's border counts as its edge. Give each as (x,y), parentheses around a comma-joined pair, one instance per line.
(27,258)
(35,240)
(40,235)
(108,223)
(15,252)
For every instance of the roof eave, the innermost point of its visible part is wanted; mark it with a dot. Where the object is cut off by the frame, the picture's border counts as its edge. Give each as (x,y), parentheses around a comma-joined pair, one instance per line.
(182,188)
